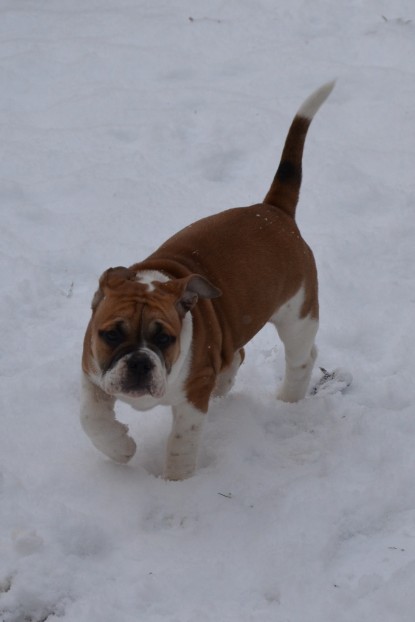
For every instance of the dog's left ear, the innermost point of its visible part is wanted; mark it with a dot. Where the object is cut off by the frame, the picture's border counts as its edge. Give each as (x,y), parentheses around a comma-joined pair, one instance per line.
(190,289)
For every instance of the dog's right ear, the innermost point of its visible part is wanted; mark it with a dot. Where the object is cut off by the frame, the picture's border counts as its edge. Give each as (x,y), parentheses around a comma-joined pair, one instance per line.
(189,289)
(111,278)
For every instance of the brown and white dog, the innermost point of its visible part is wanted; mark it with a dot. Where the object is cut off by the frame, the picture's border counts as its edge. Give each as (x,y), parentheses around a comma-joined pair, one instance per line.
(171,329)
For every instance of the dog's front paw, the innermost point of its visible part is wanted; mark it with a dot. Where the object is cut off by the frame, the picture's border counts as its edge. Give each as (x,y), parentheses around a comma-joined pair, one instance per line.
(115,443)
(290,394)
(175,471)
(123,450)
(177,476)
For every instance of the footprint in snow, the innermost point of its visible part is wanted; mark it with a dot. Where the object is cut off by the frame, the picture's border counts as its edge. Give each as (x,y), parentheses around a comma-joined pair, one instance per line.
(332,382)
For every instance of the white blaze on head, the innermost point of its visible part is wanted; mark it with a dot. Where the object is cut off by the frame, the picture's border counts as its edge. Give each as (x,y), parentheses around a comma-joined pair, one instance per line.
(147,277)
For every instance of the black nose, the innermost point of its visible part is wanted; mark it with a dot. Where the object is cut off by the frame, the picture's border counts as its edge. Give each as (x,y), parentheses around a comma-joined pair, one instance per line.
(139,364)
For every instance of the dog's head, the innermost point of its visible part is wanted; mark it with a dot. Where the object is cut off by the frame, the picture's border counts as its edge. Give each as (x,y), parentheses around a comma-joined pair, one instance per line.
(139,329)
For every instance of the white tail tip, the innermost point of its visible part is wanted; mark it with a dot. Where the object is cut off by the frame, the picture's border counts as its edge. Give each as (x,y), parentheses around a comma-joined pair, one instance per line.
(309,108)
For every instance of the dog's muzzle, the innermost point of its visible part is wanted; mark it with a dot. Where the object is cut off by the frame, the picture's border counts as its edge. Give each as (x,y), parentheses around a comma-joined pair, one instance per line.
(136,374)
(143,373)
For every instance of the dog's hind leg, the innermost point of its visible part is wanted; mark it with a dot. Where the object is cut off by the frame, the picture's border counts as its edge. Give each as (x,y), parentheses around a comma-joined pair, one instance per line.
(297,334)
(225,380)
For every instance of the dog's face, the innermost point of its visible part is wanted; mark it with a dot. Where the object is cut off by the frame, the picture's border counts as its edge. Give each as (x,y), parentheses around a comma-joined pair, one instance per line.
(134,338)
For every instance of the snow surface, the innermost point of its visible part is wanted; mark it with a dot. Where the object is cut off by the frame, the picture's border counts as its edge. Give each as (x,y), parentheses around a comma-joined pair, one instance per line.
(122,121)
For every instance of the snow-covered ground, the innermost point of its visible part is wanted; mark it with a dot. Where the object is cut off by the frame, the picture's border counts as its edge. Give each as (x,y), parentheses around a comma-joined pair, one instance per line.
(121,122)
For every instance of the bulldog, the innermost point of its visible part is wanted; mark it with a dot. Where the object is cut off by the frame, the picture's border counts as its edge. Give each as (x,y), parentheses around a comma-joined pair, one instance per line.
(171,329)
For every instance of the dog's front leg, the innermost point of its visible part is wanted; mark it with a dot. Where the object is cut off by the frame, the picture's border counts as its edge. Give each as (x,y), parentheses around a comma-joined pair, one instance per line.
(99,423)
(183,442)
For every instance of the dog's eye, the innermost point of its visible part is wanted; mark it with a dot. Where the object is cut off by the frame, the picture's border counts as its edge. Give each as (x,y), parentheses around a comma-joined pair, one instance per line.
(163,340)
(112,337)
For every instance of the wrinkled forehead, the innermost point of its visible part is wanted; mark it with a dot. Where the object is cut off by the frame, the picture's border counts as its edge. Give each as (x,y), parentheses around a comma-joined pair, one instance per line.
(165,315)
(136,304)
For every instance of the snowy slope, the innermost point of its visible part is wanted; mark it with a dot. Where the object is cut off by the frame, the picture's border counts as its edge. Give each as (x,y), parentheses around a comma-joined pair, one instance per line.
(121,122)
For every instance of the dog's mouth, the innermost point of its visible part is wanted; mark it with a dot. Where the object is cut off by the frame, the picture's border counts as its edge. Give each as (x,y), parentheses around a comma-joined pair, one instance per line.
(151,390)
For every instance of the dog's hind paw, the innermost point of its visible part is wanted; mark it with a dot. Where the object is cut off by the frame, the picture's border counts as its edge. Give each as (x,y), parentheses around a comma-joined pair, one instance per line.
(332,382)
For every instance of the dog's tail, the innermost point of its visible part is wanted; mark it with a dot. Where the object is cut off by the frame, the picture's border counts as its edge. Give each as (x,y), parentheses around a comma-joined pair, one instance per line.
(285,189)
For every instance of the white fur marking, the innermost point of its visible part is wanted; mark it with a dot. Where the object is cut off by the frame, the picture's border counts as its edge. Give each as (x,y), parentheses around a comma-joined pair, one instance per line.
(309,108)
(147,277)
(297,335)
(178,372)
